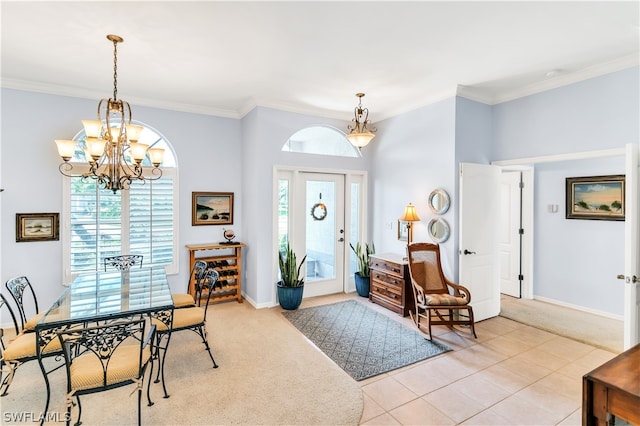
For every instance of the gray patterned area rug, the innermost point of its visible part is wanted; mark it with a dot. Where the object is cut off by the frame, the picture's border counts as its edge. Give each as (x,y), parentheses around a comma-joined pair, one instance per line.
(363,342)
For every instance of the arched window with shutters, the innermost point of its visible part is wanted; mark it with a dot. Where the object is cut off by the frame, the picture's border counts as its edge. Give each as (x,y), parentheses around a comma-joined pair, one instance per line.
(140,220)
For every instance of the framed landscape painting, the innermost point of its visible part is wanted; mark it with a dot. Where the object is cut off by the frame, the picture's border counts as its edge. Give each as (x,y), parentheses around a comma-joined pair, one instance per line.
(595,197)
(212,208)
(37,227)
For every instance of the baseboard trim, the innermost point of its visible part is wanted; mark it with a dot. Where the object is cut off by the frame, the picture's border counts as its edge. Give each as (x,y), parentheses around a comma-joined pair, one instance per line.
(579,308)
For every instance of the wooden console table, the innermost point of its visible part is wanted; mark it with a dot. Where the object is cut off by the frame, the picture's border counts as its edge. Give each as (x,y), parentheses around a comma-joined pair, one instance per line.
(390,284)
(613,389)
(228,264)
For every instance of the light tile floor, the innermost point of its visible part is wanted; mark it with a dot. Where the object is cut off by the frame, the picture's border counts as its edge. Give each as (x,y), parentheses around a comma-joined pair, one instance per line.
(513,374)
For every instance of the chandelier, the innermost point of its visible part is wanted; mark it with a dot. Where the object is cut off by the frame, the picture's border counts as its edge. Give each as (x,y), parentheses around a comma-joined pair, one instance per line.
(111,144)
(359,134)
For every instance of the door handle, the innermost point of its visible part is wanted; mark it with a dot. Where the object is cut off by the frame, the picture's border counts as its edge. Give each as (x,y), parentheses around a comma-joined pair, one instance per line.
(468,252)
(632,279)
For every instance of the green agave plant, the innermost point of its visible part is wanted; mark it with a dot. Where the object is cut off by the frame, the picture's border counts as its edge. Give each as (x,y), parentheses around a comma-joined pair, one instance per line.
(362,253)
(289,269)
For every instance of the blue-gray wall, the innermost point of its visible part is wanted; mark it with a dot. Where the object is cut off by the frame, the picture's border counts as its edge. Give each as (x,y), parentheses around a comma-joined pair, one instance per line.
(412,154)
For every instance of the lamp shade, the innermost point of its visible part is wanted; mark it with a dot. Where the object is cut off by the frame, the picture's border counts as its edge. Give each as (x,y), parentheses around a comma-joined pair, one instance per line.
(360,139)
(92,128)
(410,214)
(66,148)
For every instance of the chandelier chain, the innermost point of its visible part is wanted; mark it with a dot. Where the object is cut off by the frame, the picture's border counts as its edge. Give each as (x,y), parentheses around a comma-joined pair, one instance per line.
(115,70)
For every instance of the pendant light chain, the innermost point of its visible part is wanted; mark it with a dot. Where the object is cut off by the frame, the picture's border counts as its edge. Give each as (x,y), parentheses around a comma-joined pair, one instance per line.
(115,69)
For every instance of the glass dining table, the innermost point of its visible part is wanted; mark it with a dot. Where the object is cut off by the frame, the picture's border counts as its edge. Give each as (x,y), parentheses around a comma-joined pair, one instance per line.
(103,296)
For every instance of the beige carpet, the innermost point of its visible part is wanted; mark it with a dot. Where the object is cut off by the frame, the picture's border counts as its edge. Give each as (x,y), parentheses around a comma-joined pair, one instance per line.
(595,330)
(269,374)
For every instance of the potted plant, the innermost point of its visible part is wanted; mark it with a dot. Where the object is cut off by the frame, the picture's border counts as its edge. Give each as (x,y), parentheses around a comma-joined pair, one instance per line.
(362,276)
(291,285)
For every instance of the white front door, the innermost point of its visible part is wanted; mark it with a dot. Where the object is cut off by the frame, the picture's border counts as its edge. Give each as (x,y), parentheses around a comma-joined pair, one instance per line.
(319,216)
(478,245)
(509,233)
(632,250)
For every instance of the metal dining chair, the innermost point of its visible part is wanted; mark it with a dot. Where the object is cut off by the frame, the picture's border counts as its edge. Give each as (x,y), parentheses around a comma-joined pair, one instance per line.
(106,357)
(19,349)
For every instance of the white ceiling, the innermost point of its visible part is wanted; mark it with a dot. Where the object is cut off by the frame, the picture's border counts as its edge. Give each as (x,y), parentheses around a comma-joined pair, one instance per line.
(224,58)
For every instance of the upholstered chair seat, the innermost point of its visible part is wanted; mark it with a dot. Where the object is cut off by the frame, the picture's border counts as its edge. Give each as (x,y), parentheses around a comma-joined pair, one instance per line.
(87,372)
(24,346)
(182,318)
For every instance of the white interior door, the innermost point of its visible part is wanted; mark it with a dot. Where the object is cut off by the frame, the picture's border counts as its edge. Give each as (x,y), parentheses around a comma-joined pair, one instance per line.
(478,245)
(320,215)
(509,233)
(632,250)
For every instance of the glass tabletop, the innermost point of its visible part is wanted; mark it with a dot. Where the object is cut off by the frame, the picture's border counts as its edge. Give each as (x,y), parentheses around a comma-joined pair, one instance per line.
(112,294)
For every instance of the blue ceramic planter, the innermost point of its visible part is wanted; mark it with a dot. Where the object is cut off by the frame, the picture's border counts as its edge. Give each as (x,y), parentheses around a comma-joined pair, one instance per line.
(290,298)
(362,285)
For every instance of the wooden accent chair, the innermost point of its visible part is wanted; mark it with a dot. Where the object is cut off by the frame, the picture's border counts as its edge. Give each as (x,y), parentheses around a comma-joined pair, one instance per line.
(186,300)
(123,262)
(20,348)
(106,357)
(438,300)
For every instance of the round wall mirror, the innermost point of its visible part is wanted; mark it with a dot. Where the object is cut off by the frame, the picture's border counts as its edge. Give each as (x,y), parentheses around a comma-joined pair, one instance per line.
(438,230)
(439,201)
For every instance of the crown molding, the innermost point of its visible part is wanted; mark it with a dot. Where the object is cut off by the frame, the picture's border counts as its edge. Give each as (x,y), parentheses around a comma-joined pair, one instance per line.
(74,92)
(618,64)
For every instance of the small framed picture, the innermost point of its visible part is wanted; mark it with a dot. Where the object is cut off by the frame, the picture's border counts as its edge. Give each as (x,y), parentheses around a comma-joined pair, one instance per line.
(37,227)
(404,231)
(595,197)
(212,208)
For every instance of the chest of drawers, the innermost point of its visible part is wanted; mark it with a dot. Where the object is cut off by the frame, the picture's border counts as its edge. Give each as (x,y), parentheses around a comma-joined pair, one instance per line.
(390,283)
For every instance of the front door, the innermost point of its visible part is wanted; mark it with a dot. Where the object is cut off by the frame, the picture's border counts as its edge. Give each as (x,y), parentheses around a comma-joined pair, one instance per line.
(320,219)
(479,245)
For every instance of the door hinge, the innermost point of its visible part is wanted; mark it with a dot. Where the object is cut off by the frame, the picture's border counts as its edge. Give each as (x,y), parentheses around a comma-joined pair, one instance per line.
(520,277)
(521,231)
(521,184)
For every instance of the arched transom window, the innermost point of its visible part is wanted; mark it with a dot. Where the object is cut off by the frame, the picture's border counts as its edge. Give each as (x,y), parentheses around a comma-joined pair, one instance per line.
(324,140)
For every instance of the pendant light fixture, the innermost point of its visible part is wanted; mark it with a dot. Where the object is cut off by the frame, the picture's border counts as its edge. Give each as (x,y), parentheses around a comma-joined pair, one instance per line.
(359,134)
(111,143)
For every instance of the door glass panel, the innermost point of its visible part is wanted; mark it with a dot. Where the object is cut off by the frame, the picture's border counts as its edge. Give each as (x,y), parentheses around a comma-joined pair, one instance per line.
(321,230)
(283,213)
(354,226)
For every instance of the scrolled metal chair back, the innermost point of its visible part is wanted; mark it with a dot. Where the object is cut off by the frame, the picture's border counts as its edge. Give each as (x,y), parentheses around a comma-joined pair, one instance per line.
(16,287)
(123,262)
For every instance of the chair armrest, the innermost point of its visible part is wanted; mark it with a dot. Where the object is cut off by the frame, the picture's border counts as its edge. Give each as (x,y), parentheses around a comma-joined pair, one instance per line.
(418,292)
(459,290)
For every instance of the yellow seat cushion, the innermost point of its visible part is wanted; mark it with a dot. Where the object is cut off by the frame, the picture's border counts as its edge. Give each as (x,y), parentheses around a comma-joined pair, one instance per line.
(182,318)
(31,324)
(444,300)
(87,372)
(183,300)
(24,346)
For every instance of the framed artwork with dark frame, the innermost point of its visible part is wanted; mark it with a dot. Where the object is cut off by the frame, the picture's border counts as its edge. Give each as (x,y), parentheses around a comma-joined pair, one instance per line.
(404,231)
(212,208)
(37,227)
(595,197)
